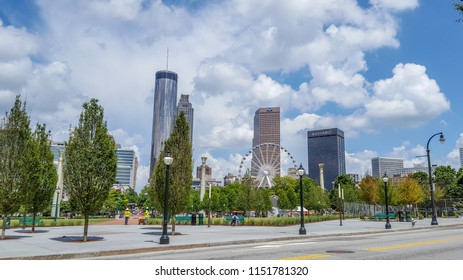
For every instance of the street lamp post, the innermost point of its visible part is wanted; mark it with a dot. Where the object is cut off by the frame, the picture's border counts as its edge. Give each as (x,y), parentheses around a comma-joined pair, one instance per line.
(210,208)
(56,204)
(164,237)
(342,204)
(431,187)
(339,204)
(385,179)
(301,172)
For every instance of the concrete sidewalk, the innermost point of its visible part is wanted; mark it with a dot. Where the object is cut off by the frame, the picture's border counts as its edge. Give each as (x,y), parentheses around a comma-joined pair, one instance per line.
(65,242)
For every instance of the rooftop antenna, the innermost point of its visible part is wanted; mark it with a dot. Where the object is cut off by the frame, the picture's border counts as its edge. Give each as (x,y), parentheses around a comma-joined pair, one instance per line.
(167,62)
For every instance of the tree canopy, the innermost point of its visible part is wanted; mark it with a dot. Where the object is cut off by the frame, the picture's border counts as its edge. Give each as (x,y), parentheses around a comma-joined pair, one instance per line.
(91,162)
(180,179)
(15,137)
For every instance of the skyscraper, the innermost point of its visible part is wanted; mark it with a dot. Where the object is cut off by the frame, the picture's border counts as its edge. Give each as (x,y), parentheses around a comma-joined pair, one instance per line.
(266,131)
(126,167)
(185,106)
(164,112)
(326,146)
(384,165)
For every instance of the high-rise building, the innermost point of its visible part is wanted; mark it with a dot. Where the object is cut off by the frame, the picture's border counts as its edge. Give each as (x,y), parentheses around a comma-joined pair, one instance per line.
(326,146)
(164,112)
(184,105)
(384,165)
(266,131)
(126,168)
(461,156)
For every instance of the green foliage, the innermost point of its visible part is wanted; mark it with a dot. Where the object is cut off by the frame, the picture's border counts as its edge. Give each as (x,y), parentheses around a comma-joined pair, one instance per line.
(115,201)
(409,192)
(41,181)
(91,162)
(445,177)
(285,190)
(421,177)
(370,190)
(180,179)
(15,136)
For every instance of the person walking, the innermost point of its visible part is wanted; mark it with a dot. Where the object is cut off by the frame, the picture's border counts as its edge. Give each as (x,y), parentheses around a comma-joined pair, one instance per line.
(147,215)
(127,216)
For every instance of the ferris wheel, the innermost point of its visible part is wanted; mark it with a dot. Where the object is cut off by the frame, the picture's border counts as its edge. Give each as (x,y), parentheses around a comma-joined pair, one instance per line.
(264,162)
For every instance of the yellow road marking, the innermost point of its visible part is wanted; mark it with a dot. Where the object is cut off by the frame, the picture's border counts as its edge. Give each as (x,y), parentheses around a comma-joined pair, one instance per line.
(309,257)
(398,246)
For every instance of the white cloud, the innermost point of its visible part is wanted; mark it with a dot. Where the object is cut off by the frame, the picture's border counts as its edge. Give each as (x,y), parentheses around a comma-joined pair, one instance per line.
(228,57)
(402,99)
(398,5)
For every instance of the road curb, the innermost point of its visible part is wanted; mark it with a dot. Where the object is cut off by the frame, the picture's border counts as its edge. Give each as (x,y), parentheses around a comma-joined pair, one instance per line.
(214,244)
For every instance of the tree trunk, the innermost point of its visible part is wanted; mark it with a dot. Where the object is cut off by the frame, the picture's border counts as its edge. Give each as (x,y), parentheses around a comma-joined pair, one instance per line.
(24,222)
(33,221)
(3,227)
(173,224)
(85,227)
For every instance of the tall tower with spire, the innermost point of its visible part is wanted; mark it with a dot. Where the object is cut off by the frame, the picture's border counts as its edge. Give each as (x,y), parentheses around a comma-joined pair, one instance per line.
(164,112)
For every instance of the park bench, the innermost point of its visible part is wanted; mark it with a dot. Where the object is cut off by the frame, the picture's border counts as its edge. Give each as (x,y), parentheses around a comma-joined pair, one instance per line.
(228,219)
(183,219)
(381,216)
(29,221)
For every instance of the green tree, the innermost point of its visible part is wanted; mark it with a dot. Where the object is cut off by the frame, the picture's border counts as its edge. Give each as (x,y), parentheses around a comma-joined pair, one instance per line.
(115,201)
(285,190)
(351,193)
(421,177)
(42,177)
(409,192)
(369,190)
(180,179)
(15,135)
(445,177)
(91,162)
(459,188)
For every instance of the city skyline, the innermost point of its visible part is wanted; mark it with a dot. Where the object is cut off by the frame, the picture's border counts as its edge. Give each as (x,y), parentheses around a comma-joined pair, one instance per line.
(374,68)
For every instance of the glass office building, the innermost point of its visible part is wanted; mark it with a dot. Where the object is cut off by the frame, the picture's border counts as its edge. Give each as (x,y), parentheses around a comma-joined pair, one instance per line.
(126,168)
(164,112)
(326,146)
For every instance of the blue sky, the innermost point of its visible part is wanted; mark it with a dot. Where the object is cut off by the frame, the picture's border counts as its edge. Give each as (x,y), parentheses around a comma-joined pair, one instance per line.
(386,72)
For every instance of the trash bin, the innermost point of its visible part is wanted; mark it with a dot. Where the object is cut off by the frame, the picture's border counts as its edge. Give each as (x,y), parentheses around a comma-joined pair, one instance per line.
(193,219)
(8,221)
(401,216)
(201,219)
(408,216)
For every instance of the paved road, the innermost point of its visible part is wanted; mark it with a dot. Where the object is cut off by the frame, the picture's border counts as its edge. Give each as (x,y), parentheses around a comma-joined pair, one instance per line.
(107,240)
(444,243)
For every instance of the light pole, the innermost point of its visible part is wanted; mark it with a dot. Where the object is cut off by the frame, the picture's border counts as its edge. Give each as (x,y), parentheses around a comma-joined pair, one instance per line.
(209,216)
(385,179)
(339,204)
(164,237)
(56,204)
(301,172)
(431,187)
(342,204)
